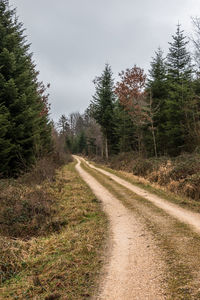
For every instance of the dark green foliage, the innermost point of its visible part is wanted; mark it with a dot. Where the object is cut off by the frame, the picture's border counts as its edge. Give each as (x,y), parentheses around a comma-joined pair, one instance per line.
(102,107)
(157,91)
(5,145)
(178,59)
(77,144)
(125,130)
(25,127)
(82,143)
(179,80)
(63,124)
(170,86)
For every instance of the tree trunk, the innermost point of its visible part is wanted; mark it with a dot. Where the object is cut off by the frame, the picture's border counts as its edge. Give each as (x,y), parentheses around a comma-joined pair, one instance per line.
(152,126)
(154,140)
(102,151)
(106,147)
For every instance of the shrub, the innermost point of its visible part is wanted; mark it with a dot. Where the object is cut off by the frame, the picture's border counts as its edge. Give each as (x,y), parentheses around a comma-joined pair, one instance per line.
(184,166)
(142,167)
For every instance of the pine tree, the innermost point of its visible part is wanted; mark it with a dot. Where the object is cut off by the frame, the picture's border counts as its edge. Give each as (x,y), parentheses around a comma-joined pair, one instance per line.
(28,130)
(63,124)
(157,93)
(157,77)
(125,130)
(178,59)
(5,145)
(179,73)
(82,143)
(102,107)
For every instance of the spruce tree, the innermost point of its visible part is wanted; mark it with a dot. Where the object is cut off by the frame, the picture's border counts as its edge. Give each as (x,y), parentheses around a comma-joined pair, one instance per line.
(157,77)
(82,143)
(102,107)
(5,145)
(28,129)
(125,130)
(178,59)
(157,93)
(179,74)
(63,125)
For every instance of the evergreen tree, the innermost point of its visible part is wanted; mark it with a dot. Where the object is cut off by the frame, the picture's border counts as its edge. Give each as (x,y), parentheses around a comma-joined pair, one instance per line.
(82,143)
(28,130)
(102,107)
(125,130)
(5,145)
(157,93)
(157,77)
(179,73)
(178,59)
(63,125)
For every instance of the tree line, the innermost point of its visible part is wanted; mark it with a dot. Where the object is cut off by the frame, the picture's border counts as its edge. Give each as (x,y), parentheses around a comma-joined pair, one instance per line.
(154,114)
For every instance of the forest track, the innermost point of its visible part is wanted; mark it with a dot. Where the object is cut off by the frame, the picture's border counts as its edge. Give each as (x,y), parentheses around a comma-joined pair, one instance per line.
(154,244)
(183,215)
(134,268)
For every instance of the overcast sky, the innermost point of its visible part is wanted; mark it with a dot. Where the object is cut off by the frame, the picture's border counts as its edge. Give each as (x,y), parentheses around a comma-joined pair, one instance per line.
(73,39)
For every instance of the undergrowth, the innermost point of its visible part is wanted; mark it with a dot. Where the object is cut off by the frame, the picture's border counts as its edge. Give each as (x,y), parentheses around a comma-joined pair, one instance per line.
(51,238)
(180,175)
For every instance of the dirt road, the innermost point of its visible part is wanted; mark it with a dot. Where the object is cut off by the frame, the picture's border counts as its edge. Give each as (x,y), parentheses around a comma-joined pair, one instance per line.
(188,217)
(151,254)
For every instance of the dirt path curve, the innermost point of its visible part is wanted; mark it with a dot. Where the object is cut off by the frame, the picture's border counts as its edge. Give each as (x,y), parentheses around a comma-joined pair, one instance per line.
(183,215)
(134,269)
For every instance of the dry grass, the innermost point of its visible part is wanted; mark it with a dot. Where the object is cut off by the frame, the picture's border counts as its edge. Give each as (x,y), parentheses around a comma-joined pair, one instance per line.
(180,175)
(64,263)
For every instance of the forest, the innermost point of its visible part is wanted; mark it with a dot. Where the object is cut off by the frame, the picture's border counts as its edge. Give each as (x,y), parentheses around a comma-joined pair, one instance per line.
(155,114)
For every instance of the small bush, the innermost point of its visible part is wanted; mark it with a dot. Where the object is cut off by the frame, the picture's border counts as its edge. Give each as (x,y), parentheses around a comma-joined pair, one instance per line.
(142,167)
(191,186)
(184,166)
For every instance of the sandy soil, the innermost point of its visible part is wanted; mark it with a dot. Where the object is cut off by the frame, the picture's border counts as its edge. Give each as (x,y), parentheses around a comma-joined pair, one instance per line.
(134,269)
(183,215)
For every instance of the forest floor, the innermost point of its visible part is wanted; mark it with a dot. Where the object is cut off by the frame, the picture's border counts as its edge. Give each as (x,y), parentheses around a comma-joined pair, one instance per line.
(154,245)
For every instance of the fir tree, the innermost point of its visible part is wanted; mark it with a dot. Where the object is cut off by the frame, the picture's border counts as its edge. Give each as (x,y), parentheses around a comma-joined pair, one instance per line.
(179,73)
(63,125)
(102,107)
(157,93)
(5,145)
(125,130)
(28,130)
(82,143)
(178,59)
